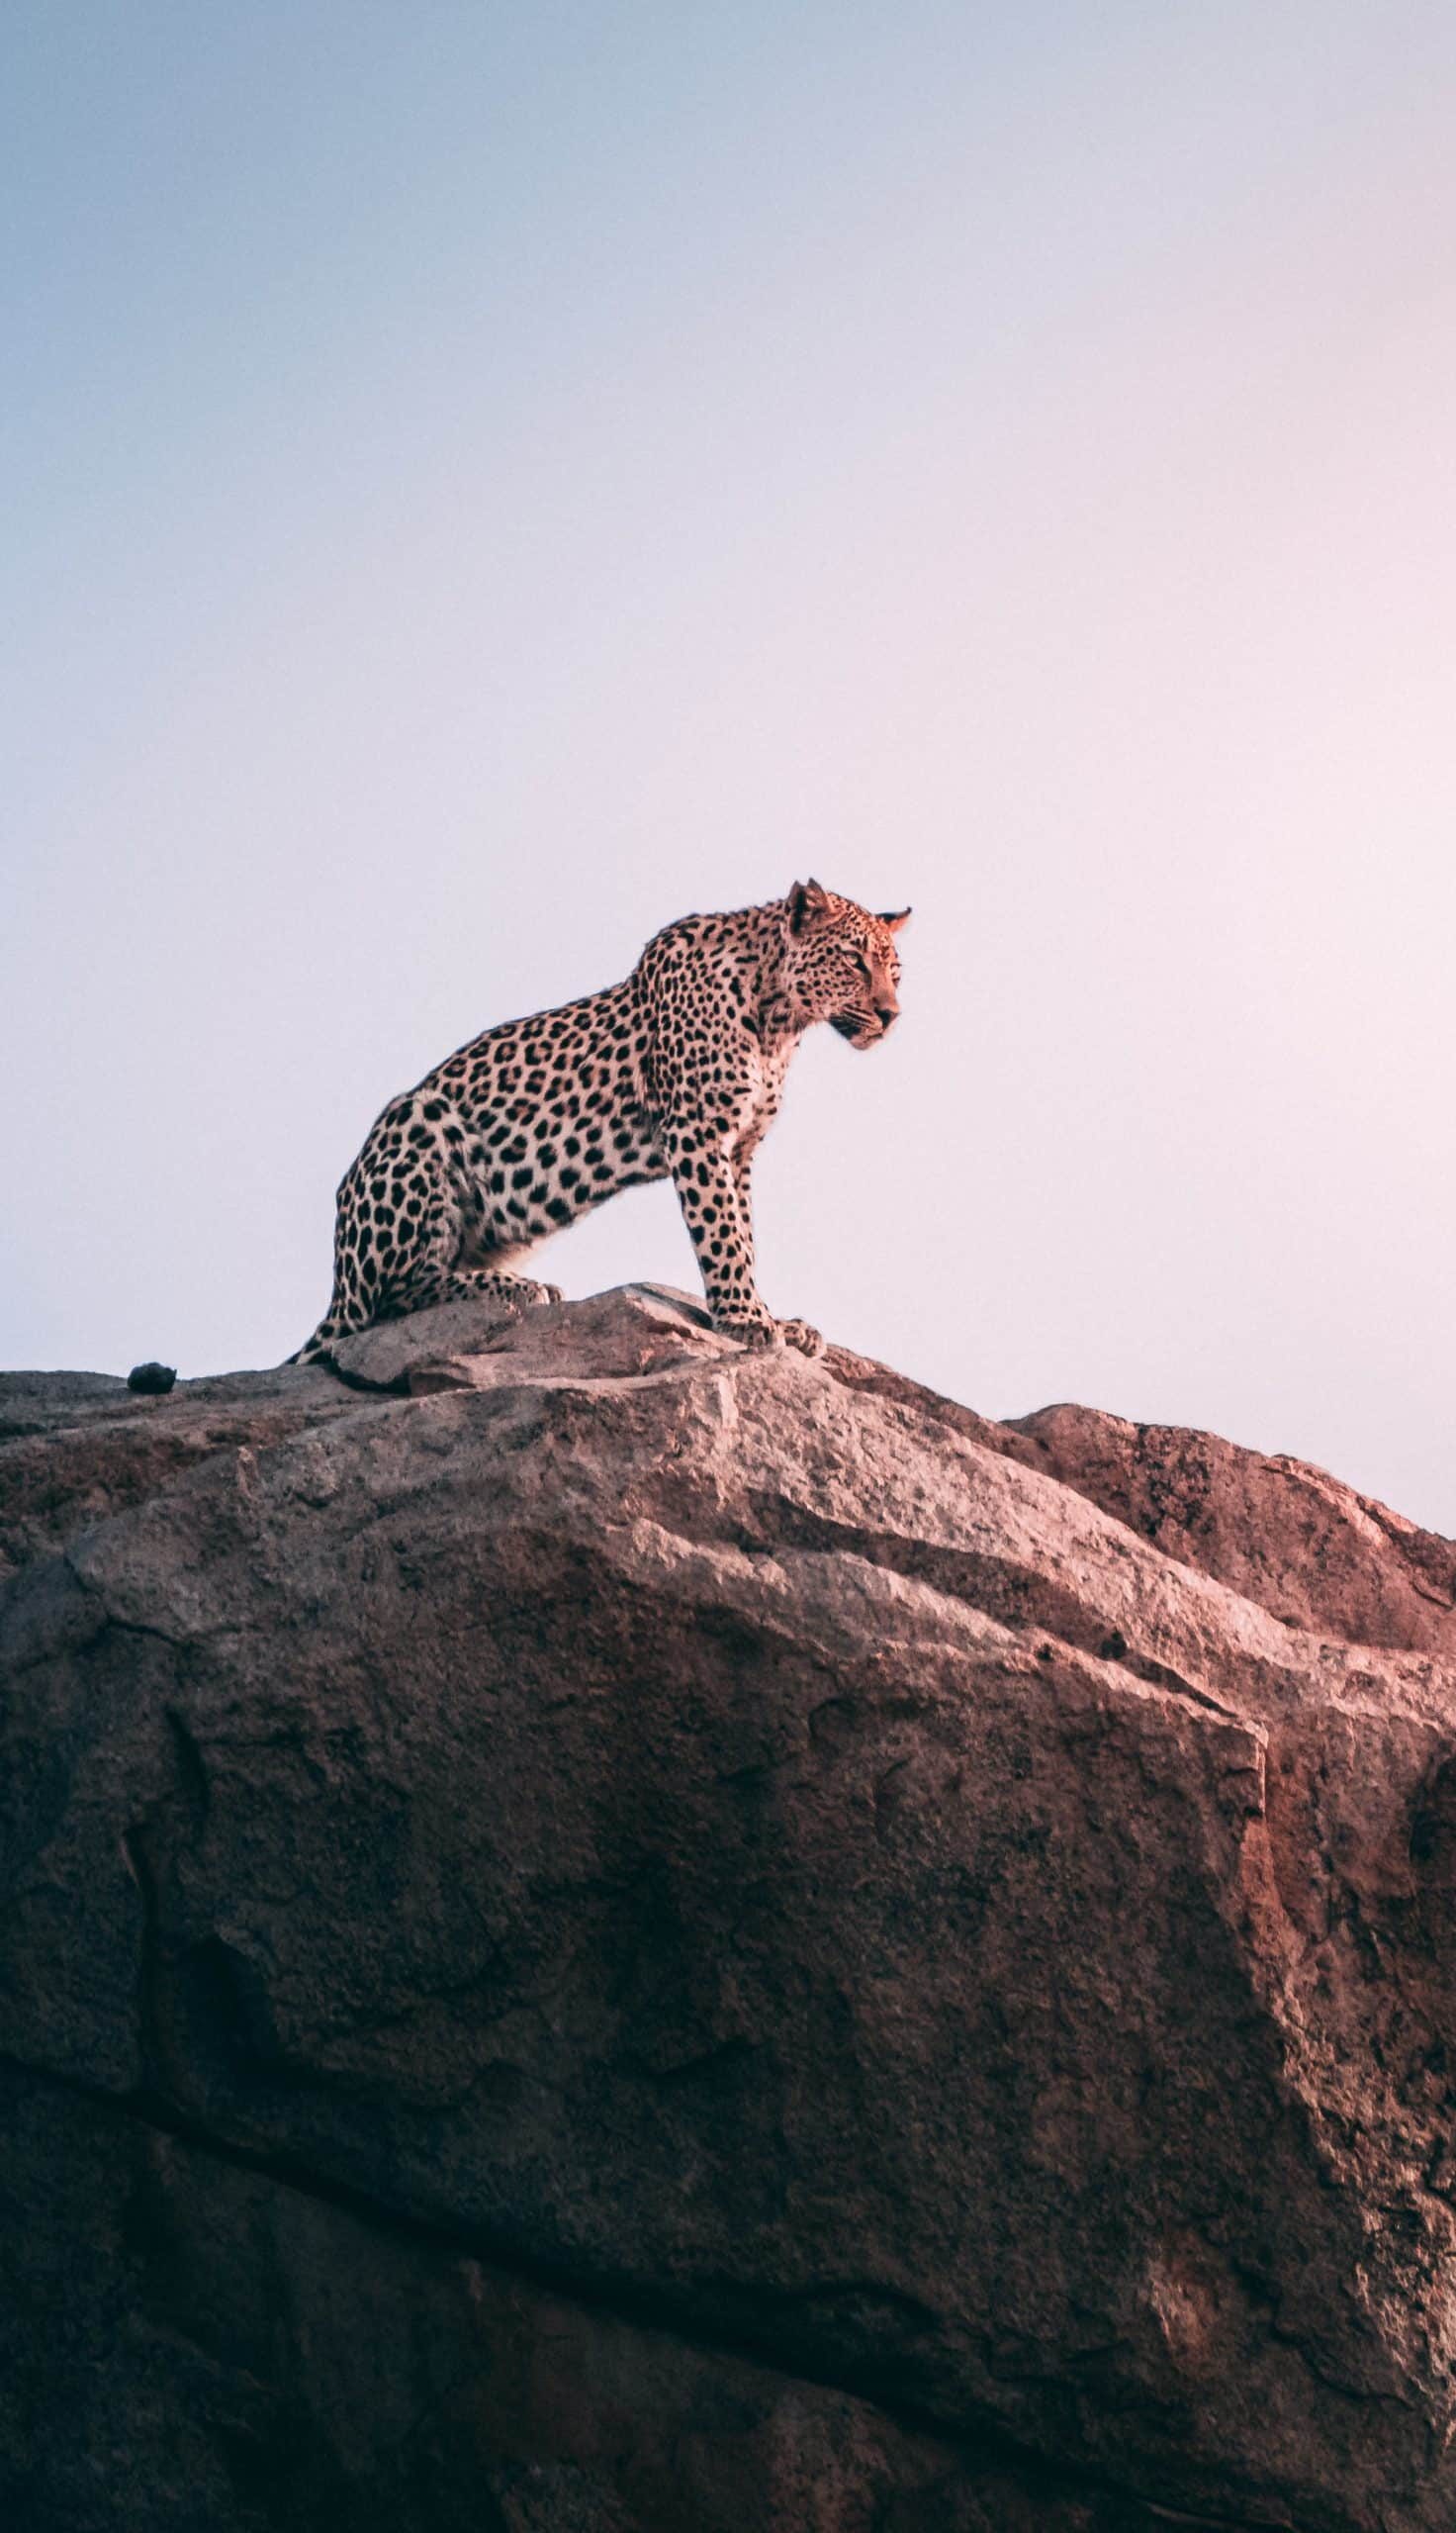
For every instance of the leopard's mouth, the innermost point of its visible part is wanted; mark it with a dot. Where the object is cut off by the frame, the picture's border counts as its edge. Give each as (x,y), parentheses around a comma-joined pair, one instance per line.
(858,1028)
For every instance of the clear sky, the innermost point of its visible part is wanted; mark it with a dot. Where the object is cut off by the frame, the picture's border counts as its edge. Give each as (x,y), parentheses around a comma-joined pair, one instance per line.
(481,481)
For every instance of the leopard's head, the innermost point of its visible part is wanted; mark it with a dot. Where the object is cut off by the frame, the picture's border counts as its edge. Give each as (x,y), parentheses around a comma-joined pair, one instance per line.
(843,965)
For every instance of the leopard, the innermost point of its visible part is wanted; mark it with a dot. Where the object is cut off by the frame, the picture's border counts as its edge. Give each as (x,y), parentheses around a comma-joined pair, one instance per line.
(675,1072)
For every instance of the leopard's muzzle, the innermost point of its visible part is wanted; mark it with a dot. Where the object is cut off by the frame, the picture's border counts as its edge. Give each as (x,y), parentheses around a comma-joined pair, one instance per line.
(863,1028)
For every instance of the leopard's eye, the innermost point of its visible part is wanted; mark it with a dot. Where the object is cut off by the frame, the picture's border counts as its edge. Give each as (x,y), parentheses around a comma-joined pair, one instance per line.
(862,963)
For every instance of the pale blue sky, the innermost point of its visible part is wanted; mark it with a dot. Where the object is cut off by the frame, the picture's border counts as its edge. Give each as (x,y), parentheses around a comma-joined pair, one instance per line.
(481,482)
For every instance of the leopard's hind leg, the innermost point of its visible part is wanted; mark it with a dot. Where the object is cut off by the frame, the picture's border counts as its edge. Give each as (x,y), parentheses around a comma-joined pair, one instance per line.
(471,1284)
(407,1233)
(452,1261)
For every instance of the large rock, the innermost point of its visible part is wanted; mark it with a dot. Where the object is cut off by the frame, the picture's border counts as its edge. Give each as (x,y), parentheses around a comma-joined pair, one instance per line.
(603,1932)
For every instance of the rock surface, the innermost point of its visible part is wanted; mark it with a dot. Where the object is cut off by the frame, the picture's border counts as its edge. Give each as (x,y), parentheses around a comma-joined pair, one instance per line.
(605,1934)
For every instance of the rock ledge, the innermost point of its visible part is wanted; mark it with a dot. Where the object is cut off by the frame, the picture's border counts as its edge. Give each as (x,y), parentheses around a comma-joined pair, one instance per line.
(605,1934)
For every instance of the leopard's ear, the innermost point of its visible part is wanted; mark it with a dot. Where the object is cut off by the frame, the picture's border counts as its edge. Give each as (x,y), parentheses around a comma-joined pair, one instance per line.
(805,899)
(897,923)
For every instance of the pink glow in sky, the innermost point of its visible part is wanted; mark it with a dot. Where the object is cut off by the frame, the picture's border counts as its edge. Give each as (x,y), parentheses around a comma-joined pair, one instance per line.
(480,483)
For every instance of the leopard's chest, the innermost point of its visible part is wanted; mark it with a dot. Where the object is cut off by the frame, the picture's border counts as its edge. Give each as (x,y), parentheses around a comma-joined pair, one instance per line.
(763,1100)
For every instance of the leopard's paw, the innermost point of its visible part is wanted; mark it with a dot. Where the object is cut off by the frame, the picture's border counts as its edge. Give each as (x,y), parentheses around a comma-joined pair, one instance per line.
(527,1293)
(799,1332)
(753,1333)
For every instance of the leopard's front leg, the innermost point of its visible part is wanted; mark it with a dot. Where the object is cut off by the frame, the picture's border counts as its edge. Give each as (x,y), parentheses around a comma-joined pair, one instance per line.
(794,1332)
(712,1191)
(719,1227)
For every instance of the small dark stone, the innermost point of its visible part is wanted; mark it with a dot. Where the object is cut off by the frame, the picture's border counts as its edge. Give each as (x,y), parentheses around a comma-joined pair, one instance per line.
(152,1379)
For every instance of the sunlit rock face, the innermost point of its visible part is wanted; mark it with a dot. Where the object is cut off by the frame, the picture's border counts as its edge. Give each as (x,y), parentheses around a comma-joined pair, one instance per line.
(605,1933)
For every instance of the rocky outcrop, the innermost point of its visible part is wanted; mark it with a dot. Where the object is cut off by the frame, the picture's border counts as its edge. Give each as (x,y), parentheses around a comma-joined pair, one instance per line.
(602,1932)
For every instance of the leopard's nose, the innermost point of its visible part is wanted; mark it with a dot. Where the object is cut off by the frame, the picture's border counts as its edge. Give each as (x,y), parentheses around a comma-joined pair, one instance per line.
(886,1012)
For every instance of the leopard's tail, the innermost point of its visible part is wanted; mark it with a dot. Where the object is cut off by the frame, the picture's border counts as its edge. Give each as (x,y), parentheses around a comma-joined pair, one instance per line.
(315,1349)
(318,1348)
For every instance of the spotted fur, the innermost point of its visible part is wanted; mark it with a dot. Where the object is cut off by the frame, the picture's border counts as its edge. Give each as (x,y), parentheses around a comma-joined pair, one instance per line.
(678,1073)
